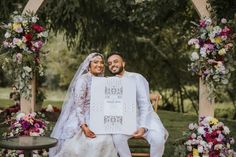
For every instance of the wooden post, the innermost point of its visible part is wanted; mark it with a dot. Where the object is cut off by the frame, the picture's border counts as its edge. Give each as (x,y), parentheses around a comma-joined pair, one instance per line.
(206,107)
(28,106)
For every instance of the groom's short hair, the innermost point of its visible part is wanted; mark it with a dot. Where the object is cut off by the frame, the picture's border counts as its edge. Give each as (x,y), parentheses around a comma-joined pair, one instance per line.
(115,53)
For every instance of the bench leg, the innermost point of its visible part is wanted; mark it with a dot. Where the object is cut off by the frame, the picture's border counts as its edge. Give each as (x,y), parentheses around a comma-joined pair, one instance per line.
(28,153)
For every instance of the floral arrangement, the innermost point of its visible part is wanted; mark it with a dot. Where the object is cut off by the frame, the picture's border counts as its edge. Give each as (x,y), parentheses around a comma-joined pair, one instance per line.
(22,45)
(25,125)
(209,139)
(211,58)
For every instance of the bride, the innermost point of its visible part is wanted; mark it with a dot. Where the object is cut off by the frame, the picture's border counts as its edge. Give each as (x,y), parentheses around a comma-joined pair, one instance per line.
(75,139)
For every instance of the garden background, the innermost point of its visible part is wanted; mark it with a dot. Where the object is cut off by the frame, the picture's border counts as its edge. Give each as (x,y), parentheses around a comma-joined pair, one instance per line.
(153,36)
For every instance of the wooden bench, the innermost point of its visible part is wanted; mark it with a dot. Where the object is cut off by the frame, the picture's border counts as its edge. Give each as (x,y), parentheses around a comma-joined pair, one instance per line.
(139,147)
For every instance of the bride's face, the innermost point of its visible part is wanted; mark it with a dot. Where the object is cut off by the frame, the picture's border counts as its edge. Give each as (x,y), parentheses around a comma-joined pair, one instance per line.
(97,66)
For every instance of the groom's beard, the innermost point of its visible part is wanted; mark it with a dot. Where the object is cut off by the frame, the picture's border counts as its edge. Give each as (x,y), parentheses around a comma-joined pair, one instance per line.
(118,71)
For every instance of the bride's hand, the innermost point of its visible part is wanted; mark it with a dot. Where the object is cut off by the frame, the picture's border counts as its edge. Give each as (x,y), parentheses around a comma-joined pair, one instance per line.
(88,132)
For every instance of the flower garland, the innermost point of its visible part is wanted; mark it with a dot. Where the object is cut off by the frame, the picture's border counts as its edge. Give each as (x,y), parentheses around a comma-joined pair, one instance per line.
(209,139)
(211,58)
(24,39)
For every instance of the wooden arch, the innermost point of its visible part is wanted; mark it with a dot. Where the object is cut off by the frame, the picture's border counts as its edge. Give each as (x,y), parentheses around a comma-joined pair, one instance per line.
(206,108)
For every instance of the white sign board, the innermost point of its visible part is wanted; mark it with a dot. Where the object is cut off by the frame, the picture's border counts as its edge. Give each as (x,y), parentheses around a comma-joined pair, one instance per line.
(113,106)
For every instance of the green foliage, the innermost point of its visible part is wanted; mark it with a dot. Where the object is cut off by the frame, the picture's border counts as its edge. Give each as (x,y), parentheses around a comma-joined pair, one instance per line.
(223,8)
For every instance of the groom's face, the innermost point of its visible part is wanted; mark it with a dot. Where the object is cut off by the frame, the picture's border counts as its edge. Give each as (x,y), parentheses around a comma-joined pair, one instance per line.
(116,64)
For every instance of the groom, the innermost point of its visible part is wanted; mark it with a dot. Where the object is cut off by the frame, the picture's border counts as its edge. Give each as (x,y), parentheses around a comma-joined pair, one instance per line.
(149,125)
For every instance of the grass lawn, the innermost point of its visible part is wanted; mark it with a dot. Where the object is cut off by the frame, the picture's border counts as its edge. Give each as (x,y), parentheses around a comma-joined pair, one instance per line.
(176,123)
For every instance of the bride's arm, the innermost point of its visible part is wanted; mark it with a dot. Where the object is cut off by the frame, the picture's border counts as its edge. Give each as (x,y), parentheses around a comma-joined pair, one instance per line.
(81,91)
(80,99)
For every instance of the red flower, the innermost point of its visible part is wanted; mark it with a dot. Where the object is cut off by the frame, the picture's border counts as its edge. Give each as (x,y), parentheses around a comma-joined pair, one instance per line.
(28,37)
(37,27)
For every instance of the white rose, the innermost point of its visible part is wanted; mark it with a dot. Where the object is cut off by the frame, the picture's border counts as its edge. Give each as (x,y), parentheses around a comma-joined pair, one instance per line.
(194,56)
(7,35)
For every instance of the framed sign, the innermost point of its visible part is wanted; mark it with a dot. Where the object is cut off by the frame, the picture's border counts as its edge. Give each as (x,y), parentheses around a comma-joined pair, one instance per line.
(113,105)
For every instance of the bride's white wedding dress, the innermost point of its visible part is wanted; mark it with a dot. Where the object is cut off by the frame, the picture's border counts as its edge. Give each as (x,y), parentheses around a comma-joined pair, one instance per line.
(72,141)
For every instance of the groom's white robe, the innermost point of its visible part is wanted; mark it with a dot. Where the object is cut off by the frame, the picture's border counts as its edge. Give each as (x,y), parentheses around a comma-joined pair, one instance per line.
(146,118)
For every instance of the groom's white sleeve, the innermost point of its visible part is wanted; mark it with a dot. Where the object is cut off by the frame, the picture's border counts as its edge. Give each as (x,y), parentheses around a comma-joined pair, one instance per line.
(143,101)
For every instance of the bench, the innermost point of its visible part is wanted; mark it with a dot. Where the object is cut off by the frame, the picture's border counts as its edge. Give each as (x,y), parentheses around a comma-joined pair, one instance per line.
(139,147)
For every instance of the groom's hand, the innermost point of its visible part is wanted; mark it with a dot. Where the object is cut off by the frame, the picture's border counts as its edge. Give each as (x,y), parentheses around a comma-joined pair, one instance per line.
(88,132)
(139,133)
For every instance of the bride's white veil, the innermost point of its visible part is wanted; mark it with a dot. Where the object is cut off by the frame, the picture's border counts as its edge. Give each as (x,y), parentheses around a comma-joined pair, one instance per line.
(68,102)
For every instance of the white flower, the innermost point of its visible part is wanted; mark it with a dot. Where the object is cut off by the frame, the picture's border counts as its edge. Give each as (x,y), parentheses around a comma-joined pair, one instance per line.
(6,44)
(197,46)
(193,41)
(226,130)
(193,135)
(194,56)
(7,35)
(34,19)
(189,148)
(208,21)
(223,20)
(19,116)
(201,130)
(218,146)
(222,52)
(200,149)
(43,34)
(217,29)
(18,19)
(203,51)
(28,69)
(21,155)
(191,126)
